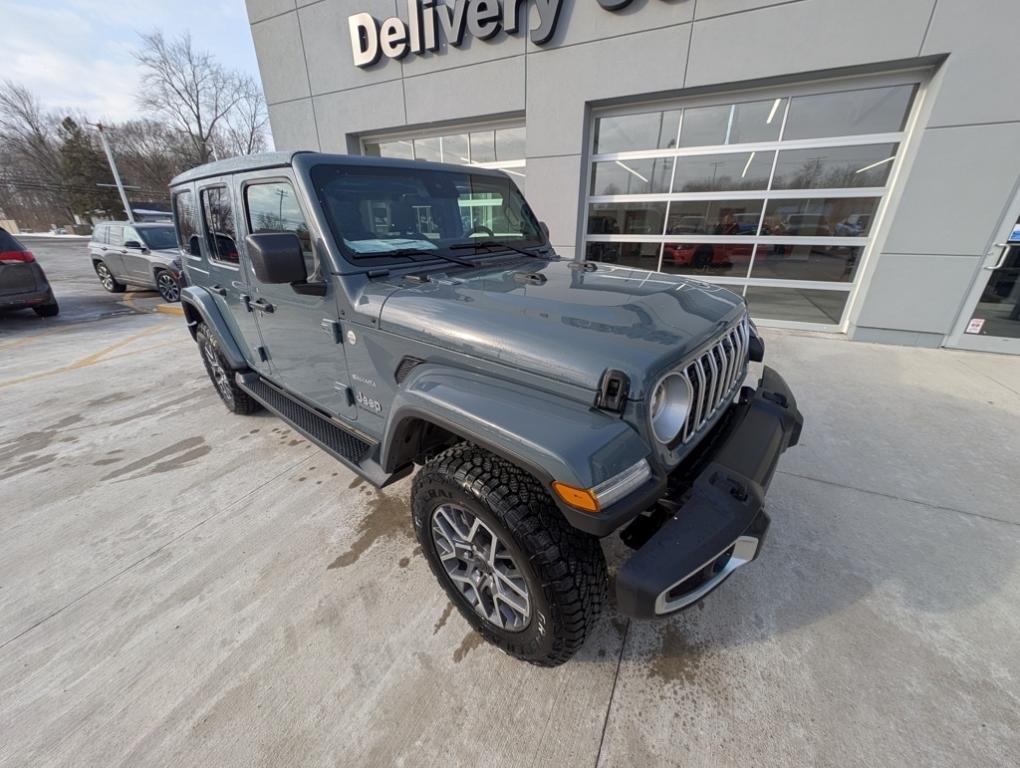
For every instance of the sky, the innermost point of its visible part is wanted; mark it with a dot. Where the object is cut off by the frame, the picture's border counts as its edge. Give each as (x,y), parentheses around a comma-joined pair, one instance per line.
(77,53)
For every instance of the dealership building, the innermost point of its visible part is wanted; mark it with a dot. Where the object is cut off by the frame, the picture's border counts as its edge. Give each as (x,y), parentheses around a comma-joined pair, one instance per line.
(851,167)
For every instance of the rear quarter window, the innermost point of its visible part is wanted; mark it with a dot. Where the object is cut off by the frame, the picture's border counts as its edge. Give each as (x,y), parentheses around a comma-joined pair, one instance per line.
(9,242)
(99,235)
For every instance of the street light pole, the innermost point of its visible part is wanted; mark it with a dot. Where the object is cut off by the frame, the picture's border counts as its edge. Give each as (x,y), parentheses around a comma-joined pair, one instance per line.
(116,175)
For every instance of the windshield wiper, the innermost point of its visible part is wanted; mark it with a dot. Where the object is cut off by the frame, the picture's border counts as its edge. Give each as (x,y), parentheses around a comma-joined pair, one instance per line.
(498,244)
(423,252)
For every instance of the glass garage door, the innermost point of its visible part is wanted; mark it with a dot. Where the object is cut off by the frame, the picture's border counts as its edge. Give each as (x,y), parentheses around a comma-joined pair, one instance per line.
(776,195)
(500,147)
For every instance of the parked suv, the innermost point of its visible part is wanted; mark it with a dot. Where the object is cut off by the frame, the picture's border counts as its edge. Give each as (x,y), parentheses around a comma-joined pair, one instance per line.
(402,314)
(136,254)
(23,284)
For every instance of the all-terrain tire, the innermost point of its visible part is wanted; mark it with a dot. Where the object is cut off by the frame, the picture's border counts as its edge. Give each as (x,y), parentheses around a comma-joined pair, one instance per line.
(222,374)
(564,568)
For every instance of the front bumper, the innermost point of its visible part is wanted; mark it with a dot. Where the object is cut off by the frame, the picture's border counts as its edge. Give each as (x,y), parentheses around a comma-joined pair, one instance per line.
(718,521)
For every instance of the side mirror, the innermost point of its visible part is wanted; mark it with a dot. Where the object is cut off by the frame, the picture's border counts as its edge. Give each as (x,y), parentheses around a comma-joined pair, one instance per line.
(545,229)
(276,257)
(133,244)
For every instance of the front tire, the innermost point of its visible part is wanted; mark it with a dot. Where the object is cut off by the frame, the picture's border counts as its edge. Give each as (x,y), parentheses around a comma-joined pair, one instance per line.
(168,287)
(522,577)
(222,374)
(106,278)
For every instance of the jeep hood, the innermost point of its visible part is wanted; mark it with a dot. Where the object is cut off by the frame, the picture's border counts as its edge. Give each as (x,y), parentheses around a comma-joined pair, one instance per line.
(556,319)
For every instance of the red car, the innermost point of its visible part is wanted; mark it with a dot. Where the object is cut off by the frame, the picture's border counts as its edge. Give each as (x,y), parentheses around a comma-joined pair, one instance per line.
(706,256)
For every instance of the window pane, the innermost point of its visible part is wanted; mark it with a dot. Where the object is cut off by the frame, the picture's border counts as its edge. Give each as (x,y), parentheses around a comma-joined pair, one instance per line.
(732,123)
(219,224)
(510,143)
(273,207)
(720,173)
(640,255)
(400,149)
(834,167)
(483,147)
(428,149)
(652,130)
(730,259)
(849,113)
(187,223)
(800,304)
(825,263)
(714,217)
(631,177)
(836,216)
(626,218)
(116,235)
(455,149)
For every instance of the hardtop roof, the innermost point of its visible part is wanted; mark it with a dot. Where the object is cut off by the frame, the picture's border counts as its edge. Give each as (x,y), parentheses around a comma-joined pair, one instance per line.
(307,158)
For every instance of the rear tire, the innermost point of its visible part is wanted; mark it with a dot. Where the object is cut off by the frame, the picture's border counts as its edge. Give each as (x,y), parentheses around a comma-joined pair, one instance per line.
(106,278)
(47,310)
(222,374)
(475,514)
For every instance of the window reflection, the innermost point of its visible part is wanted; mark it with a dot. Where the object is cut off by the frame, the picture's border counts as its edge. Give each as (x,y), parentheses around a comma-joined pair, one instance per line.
(822,263)
(726,259)
(714,217)
(732,123)
(652,130)
(849,113)
(834,167)
(805,305)
(626,218)
(489,146)
(722,173)
(829,217)
(631,177)
(640,255)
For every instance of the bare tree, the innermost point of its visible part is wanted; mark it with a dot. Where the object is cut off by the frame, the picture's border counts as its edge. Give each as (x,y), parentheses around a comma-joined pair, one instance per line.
(187,87)
(244,129)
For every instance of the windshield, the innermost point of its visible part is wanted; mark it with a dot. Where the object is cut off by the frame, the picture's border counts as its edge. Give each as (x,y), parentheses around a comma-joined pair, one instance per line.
(377,211)
(159,238)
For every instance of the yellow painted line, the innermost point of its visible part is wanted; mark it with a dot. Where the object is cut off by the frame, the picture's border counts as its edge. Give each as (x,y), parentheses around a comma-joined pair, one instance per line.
(170,309)
(34,336)
(96,357)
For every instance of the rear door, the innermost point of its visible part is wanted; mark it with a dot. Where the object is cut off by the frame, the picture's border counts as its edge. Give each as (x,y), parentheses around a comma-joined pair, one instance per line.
(225,278)
(98,244)
(114,253)
(299,324)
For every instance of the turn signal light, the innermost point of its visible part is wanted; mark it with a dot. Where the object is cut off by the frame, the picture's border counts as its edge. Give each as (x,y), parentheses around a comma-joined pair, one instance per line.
(578,498)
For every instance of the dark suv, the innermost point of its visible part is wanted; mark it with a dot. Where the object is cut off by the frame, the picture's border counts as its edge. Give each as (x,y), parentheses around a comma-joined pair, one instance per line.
(403,314)
(23,284)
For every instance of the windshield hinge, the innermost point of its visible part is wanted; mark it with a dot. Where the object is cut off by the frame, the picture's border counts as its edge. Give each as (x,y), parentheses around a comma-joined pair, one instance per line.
(614,387)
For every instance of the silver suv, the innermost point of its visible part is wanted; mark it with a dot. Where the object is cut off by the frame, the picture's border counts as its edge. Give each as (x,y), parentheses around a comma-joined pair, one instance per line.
(143,255)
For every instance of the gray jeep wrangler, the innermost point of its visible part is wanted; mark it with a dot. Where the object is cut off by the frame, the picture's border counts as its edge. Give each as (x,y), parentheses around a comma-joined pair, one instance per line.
(402,314)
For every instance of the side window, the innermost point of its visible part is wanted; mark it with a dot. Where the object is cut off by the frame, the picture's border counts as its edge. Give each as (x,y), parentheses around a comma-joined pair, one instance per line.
(131,236)
(99,234)
(187,223)
(273,207)
(116,235)
(218,216)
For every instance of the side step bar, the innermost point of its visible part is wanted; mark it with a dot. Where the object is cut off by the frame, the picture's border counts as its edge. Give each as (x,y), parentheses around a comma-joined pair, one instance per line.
(342,444)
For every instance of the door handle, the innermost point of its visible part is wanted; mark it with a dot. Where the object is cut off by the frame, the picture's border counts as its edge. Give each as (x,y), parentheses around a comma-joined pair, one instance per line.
(219,290)
(1002,255)
(263,306)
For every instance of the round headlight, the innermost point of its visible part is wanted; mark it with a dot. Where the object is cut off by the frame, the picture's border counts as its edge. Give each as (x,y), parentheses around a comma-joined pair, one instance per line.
(671,399)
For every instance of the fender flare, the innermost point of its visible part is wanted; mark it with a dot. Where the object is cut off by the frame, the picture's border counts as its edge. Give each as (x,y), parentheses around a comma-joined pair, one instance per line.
(200,306)
(552,437)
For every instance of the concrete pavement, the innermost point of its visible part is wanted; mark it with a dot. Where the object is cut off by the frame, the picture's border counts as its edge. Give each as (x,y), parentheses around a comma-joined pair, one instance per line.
(180,586)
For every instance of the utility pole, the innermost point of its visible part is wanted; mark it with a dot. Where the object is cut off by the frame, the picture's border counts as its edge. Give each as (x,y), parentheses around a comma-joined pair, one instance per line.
(116,175)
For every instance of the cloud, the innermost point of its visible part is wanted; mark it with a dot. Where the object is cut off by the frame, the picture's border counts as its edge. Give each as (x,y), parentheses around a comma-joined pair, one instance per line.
(76,54)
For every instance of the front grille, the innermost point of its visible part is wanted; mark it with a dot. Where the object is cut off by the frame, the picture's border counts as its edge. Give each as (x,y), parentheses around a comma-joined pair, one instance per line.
(713,376)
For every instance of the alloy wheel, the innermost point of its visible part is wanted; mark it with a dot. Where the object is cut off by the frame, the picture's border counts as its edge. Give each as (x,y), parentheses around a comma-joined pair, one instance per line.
(168,287)
(104,276)
(481,568)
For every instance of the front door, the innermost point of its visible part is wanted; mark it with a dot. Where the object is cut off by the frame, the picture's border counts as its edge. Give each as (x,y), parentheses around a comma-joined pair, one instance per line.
(300,327)
(136,264)
(991,321)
